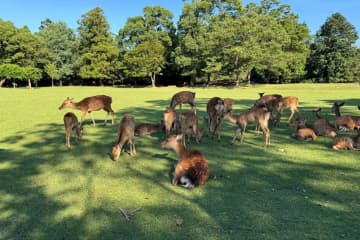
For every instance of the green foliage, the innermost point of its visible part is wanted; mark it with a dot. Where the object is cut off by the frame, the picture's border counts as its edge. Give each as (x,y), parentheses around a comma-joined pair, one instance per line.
(145,60)
(98,52)
(332,50)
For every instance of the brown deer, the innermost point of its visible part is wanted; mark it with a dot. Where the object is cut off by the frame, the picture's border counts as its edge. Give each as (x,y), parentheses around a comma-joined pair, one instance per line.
(216,108)
(125,135)
(183,97)
(269,101)
(170,120)
(143,129)
(189,125)
(255,115)
(347,143)
(192,168)
(284,103)
(346,122)
(71,124)
(322,126)
(301,131)
(89,104)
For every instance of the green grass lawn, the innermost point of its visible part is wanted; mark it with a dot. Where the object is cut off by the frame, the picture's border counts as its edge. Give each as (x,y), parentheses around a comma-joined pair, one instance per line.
(291,190)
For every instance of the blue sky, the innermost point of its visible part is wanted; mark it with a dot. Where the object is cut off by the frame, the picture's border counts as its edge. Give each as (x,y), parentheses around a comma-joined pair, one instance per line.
(32,12)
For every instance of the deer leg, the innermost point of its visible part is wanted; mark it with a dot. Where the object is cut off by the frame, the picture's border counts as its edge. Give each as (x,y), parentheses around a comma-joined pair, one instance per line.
(68,133)
(291,115)
(92,118)
(179,172)
(242,135)
(266,132)
(236,133)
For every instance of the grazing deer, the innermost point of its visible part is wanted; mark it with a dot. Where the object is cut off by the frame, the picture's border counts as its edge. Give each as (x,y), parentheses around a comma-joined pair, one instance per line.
(347,143)
(284,103)
(216,108)
(301,131)
(170,120)
(89,104)
(125,135)
(189,125)
(183,97)
(192,168)
(256,115)
(322,126)
(143,129)
(346,122)
(71,124)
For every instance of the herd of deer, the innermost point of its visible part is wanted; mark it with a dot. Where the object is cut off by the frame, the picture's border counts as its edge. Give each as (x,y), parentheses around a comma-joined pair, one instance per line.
(192,168)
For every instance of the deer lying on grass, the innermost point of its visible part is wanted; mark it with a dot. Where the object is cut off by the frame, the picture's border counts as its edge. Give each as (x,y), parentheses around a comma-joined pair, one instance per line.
(89,104)
(170,120)
(143,129)
(322,126)
(192,168)
(183,97)
(125,135)
(284,103)
(71,124)
(346,122)
(216,109)
(347,143)
(255,115)
(301,131)
(189,125)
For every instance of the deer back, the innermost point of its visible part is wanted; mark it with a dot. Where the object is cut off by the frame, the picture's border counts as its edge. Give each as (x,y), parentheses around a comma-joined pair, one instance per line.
(182,97)
(126,129)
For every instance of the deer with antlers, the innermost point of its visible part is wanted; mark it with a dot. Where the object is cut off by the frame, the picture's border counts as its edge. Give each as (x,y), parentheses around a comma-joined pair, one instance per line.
(257,115)
(126,134)
(192,168)
(90,104)
(345,122)
(72,124)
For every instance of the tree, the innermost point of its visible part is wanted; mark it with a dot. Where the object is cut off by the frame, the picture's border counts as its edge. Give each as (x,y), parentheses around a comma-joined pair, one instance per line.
(10,71)
(53,72)
(98,52)
(31,73)
(332,49)
(146,59)
(62,44)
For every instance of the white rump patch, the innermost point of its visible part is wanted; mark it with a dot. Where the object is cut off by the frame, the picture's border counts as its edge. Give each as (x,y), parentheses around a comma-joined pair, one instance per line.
(185,182)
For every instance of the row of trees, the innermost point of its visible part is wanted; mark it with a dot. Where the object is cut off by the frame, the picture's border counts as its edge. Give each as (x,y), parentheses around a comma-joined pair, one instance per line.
(216,40)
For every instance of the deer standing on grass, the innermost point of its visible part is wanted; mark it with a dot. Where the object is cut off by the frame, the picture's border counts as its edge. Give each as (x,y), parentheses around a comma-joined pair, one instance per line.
(255,115)
(346,122)
(284,103)
(347,143)
(143,129)
(216,108)
(71,124)
(126,134)
(269,101)
(183,97)
(192,168)
(89,104)
(301,131)
(322,126)
(170,120)
(189,126)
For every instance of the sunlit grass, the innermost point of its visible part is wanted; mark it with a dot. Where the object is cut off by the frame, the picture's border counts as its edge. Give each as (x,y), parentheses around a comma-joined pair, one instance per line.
(291,190)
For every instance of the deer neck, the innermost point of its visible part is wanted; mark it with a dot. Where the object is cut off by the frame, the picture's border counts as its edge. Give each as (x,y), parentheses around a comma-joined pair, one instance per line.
(337,112)
(231,118)
(180,150)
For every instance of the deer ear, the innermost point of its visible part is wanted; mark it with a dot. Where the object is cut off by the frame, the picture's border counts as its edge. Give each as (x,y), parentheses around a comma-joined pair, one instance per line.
(179,137)
(342,104)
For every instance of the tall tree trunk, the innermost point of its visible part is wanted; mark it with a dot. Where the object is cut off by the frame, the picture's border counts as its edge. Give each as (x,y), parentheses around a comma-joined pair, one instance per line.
(52,82)
(208,80)
(153,76)
(237,80)
(248,77)
(29,83)
(2,81)
(192,80)
(61,83)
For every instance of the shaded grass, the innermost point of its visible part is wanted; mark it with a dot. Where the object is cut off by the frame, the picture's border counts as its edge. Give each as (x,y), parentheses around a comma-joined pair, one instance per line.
(291,190)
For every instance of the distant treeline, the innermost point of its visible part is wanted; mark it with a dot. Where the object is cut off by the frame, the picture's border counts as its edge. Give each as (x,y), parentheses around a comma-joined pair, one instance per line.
(213,42)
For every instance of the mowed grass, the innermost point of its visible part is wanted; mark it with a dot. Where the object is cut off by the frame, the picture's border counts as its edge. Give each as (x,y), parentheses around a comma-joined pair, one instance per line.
(291,190)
